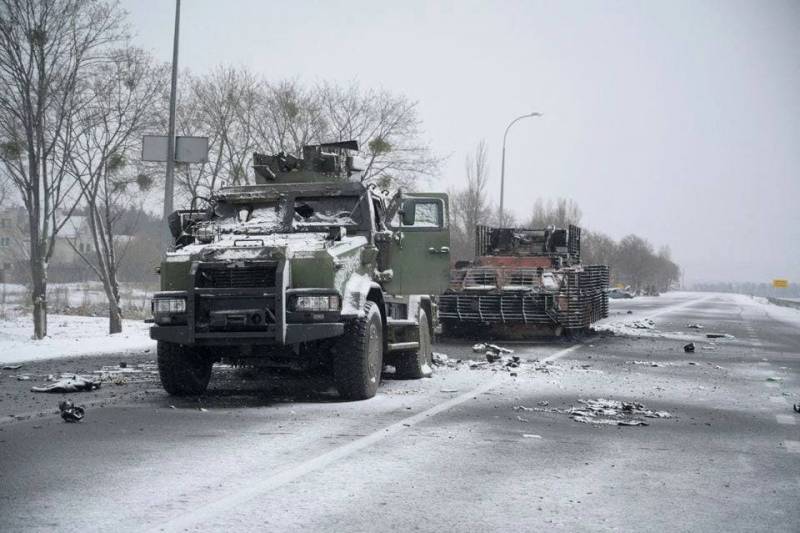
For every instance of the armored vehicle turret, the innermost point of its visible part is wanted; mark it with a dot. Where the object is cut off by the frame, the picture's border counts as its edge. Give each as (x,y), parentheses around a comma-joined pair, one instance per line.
(308,267)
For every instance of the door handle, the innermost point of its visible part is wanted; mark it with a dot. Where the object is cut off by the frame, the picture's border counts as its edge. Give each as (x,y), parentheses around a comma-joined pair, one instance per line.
(442,250)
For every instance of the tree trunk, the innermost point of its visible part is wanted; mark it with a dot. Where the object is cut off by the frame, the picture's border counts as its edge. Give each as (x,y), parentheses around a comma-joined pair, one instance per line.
(39,297)
(114,318)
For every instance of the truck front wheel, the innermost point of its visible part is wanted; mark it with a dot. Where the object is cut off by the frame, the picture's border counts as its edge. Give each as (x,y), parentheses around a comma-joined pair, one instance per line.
(417,364)
(182,371)
(358,360)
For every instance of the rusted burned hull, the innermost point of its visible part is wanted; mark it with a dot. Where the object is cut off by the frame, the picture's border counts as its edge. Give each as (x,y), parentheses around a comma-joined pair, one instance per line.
(577,300)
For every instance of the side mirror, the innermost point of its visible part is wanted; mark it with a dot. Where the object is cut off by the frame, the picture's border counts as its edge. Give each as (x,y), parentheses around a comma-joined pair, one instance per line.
(408,213)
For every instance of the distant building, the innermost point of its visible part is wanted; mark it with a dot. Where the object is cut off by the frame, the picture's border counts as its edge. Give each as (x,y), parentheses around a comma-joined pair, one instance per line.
(73,240)
(13,240)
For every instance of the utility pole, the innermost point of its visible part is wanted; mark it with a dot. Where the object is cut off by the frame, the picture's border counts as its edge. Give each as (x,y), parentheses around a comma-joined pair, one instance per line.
(501,222)
(169,183)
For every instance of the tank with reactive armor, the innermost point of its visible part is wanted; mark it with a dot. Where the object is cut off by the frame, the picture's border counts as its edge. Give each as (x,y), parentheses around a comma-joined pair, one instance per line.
(524,282)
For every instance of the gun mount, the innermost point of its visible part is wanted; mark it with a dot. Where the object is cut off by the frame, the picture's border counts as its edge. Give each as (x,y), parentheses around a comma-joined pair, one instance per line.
(320,163)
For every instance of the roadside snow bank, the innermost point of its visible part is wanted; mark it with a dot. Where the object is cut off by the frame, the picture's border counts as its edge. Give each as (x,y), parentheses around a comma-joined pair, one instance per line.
(69,336)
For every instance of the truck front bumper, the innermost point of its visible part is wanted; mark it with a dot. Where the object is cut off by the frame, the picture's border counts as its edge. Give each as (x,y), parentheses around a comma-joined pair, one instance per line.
(295,333)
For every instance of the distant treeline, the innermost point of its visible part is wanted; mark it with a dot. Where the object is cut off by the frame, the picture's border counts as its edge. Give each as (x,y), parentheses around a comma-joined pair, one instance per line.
(751,288)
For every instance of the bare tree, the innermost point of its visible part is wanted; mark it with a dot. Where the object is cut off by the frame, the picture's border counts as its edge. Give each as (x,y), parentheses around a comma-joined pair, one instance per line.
(560,213)
(470,206)
(45,49)
(106,135)
(387,128)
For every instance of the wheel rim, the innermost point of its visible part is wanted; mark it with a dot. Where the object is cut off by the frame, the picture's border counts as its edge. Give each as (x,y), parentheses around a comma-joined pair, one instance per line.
(373,350)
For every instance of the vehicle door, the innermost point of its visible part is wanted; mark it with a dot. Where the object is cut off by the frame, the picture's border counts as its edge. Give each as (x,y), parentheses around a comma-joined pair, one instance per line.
(420,245)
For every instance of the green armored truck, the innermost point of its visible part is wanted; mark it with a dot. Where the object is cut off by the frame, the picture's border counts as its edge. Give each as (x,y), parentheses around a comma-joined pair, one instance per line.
(308,268)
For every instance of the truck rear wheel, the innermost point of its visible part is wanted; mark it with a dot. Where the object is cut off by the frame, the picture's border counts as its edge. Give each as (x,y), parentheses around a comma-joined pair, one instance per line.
(182,371)
(417,364)
(358,360)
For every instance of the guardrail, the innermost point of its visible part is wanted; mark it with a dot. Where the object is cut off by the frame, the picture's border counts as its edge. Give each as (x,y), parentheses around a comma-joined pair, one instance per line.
(784,303)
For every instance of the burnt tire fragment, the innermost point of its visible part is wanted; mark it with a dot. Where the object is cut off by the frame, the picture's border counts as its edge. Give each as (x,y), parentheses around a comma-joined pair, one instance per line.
(417,364)
(183,372)
(358,358)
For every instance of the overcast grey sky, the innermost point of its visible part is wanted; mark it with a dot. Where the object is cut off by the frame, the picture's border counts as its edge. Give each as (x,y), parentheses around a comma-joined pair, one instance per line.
(676,120)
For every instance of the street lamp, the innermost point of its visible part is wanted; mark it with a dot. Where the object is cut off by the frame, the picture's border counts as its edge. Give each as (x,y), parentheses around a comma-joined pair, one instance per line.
(503,163)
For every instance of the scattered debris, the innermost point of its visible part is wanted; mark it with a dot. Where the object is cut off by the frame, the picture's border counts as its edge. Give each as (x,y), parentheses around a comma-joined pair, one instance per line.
(543,403)
(630,312)
(449,390)
(70,412)
(613,412)
(522,419)
(389,369)
(689,348)
(493,357)
(203,410)
(692,363)
(483,347)
(719,336)
(531,436)
(796,408)
(439,359)
(645,323)
(23,378)
(70,383)
(646,363)
(523,408)
(695,326)
(12,367)
(123,364)
(774,379)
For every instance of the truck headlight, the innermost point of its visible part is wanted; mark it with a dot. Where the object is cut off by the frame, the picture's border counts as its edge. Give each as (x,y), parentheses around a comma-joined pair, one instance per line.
(169,306)
(328,302)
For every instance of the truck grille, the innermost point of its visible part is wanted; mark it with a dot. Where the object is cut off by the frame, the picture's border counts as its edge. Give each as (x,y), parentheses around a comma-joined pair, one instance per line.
(223,277)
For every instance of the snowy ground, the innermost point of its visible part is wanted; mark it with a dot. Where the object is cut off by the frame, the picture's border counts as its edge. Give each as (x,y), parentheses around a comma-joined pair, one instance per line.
(69,336)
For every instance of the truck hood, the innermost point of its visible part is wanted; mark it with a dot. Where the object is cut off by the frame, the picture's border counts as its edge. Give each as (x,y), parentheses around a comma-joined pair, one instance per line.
(287,245)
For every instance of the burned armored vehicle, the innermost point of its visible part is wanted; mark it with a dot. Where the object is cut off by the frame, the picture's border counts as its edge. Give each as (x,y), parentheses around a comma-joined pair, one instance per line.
(309,267)
(524,282)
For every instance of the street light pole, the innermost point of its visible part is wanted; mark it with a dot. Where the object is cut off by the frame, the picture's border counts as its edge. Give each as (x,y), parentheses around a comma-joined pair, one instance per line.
(169,183)
(503,161)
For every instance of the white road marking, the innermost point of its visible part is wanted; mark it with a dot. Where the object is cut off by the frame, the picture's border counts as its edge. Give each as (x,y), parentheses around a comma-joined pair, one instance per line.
(792,446)
(236,499)
(786,420)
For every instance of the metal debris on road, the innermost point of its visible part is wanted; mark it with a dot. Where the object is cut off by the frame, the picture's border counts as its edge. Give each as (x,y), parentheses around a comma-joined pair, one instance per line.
(645,363)
(70,412)
(613,412)
(449,390)
(719,336)
(70,383)
(23,378)
(774,379)
(484,347)
(695,326)
(689,348)
(531,436)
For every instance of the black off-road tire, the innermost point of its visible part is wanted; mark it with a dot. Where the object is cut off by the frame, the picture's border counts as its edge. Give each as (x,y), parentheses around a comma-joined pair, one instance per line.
(183,372)
(418,363)
(358,358)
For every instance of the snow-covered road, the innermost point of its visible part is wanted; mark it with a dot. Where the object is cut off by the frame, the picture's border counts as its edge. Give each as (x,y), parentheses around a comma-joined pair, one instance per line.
(467,450)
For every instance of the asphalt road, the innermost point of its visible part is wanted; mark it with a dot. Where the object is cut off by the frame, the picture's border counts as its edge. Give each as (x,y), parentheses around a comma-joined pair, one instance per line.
(467,450)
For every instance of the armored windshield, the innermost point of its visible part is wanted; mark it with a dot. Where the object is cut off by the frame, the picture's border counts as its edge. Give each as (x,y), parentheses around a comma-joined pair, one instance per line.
(326,211)
(260,217)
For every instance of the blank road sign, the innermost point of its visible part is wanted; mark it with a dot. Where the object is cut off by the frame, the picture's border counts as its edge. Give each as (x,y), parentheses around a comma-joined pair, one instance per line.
(187,149)
(780,283)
